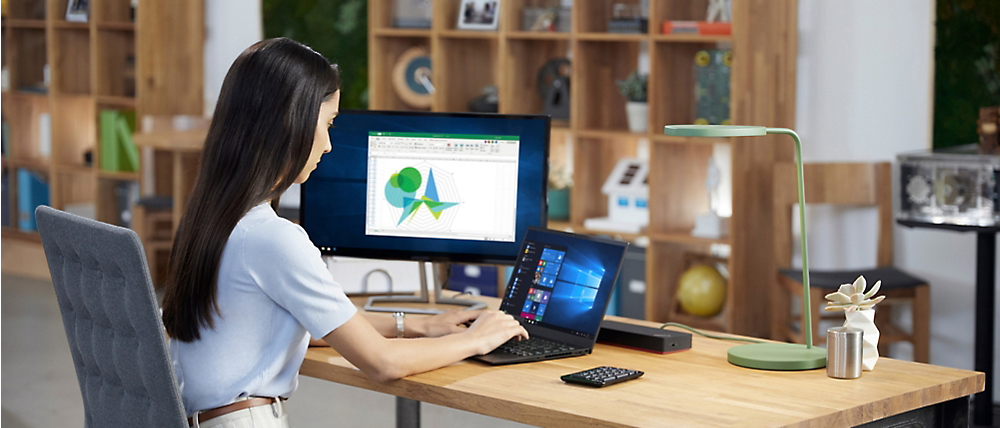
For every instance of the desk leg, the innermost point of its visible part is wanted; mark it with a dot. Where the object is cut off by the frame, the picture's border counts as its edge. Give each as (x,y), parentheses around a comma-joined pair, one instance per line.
(407,413)
(985,299)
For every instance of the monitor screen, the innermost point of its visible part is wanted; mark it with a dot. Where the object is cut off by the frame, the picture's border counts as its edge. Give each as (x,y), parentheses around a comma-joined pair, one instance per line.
(428,186)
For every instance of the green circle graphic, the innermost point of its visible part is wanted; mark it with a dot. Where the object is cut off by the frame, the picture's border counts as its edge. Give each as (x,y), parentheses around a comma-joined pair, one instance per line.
(409,179)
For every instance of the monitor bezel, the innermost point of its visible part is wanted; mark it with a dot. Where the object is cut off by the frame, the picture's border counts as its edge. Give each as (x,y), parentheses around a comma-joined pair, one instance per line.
(389,254)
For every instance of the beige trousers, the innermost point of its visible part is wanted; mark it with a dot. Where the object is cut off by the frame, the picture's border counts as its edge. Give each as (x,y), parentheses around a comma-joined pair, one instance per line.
(269,416)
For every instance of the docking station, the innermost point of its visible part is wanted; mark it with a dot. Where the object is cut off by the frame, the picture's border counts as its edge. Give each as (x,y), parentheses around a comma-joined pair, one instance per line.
(643,338)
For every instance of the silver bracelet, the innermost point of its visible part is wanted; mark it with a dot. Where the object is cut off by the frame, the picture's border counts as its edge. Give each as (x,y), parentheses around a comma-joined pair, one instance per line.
(400,329)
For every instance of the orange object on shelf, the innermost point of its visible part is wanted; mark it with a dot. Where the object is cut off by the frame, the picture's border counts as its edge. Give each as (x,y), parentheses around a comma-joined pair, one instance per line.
(698,27)
(715,27)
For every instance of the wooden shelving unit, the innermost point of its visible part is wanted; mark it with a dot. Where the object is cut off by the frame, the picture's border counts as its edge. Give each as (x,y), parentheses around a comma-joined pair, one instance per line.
(91,66)
(764,44)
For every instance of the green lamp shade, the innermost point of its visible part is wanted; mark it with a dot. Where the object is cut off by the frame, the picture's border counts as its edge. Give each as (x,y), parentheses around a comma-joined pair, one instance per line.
(770,356)
(714,130)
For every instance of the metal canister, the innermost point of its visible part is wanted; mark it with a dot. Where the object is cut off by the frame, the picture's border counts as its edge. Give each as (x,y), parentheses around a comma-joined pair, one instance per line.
(844,347)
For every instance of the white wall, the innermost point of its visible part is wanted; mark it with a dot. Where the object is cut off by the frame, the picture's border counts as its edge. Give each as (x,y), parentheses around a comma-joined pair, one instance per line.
(865,92)
(230,27)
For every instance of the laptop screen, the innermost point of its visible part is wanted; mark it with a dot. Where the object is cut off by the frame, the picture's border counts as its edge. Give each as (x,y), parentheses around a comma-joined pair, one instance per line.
(563,281)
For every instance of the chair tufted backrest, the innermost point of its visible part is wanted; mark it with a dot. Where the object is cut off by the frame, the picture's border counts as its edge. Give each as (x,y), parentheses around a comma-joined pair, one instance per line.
(112,322)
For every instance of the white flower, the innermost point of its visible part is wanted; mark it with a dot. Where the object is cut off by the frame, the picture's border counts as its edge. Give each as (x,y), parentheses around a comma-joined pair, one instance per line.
(852,297)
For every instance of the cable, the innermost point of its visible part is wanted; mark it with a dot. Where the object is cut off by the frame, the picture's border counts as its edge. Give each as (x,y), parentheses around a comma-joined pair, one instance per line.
(710,336)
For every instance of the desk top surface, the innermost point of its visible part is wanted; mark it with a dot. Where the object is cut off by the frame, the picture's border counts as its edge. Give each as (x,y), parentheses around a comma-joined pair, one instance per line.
(697,387)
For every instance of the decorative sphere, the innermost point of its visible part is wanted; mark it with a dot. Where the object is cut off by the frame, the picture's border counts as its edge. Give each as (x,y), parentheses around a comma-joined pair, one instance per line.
(702,291)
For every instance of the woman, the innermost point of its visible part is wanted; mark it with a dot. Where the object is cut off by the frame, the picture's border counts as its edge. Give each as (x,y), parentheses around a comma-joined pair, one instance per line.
(245,289)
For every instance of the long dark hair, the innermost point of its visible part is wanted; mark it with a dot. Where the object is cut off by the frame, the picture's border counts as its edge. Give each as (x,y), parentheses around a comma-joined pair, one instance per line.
(258,143)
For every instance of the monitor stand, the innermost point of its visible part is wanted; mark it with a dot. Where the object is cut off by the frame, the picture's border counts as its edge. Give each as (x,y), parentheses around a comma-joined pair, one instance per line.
(425,297)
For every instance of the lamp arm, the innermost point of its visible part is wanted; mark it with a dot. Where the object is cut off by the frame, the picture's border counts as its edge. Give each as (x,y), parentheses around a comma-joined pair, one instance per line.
(806,300)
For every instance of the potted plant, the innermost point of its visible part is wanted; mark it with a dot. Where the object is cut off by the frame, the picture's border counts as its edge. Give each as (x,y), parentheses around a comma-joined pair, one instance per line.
(637,109)
(560,183)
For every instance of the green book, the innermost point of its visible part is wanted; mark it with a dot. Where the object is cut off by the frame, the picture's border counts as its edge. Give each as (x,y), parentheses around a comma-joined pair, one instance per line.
(128,158)
(109,146)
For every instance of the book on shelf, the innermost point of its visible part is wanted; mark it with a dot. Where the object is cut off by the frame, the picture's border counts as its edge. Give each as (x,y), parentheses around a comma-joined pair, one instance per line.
(698,27)
(32,191)
(117,150)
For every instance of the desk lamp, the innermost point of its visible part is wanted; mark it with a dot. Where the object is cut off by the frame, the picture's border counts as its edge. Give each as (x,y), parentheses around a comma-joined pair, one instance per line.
(770,356)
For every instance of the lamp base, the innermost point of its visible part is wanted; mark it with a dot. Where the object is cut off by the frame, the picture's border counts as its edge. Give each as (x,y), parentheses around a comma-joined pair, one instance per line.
(778,356)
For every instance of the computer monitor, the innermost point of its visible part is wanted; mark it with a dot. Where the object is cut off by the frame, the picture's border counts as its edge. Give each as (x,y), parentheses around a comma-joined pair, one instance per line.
(459,187)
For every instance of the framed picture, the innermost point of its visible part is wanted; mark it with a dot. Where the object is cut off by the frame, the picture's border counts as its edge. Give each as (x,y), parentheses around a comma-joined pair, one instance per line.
(478,14)
(76,10)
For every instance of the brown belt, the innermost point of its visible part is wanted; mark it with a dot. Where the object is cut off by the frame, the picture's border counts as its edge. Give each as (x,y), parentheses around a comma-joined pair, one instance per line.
(229,408)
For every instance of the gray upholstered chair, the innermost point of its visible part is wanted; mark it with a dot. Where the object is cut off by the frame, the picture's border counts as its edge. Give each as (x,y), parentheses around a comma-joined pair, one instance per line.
(112,322)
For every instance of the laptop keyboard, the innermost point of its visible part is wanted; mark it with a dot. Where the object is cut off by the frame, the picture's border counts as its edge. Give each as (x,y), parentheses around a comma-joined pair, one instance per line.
(532,347)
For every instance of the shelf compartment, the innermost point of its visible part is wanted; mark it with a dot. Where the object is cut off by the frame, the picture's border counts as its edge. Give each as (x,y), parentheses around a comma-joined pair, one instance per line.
(593,161)
(27,60)
(601,105)
(26,10)
(382,59)
(670,260)
(467,65)
(71,71)
(112,11)
(679,195)
(593,16)
(381,16)
(71,143)
(115,198)
(523,60)
(21,113)
(73,190)
(675,10)
(512,18)
(675,80)
(115,53)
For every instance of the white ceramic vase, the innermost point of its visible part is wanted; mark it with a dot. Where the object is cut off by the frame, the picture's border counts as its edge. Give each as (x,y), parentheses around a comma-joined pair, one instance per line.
(865,320)
(638,116)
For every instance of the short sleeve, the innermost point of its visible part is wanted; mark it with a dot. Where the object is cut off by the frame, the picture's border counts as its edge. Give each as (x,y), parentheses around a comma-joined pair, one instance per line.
(287,267)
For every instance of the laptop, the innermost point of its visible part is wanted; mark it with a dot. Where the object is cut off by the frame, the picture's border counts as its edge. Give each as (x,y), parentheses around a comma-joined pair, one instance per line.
(559,291)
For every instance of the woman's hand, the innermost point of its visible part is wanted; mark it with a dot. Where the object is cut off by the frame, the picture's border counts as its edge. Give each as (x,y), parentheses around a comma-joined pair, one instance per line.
(442,324)
(493,328)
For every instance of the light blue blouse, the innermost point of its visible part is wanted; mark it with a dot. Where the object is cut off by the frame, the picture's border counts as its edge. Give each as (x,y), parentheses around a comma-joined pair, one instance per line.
(274,290)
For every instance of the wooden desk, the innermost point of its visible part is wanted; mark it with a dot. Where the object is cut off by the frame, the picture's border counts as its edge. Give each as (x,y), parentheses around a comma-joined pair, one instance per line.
(690,388)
